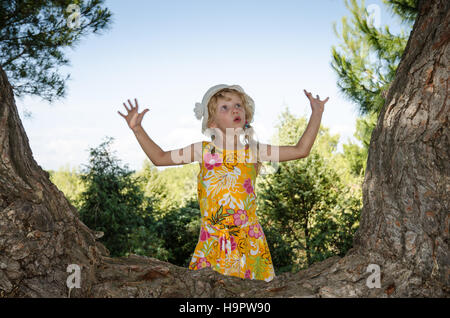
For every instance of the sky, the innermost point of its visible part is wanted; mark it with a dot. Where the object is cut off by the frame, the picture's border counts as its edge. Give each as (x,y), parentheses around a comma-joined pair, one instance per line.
(168,53)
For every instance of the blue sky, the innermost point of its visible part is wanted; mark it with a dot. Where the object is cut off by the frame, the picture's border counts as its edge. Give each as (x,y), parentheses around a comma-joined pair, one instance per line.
(168,53)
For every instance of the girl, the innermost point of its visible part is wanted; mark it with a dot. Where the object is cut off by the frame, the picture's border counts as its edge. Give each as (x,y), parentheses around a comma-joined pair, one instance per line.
(231,240)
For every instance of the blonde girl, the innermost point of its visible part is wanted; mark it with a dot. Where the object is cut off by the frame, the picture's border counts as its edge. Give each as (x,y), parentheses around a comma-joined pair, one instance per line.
(231,239)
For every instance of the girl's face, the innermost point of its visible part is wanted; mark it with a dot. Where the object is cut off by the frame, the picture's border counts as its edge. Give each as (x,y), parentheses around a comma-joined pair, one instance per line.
(229,113)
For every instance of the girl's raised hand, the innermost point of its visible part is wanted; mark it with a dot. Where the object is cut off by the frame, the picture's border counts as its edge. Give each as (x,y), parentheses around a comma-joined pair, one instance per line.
(133,118)
(316,103)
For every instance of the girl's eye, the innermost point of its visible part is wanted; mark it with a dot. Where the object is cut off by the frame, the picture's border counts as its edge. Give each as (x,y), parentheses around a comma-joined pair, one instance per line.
(226,106)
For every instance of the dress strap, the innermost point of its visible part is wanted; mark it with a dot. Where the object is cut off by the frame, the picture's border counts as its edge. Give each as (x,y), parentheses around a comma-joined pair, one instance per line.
(204,144)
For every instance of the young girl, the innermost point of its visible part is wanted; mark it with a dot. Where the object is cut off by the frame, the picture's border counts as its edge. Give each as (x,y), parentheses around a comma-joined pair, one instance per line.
(231,239)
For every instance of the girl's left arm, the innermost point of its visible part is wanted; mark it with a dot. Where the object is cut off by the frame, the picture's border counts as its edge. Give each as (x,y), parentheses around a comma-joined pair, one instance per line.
(304,145)
(306,142)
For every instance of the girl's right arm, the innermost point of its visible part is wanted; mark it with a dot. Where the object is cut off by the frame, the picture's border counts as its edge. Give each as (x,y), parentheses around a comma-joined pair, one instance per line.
(151,149)
(158,156)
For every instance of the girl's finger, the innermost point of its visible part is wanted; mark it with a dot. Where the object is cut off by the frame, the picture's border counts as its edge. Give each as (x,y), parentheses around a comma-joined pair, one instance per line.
(121,114)
(143,112)
(130,104)
(126,107)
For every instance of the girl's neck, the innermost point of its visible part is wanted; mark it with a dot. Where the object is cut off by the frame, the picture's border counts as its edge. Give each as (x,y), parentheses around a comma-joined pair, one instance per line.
(228,144)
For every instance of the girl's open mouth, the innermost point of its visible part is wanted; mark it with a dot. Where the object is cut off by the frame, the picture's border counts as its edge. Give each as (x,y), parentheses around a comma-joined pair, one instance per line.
(237,120)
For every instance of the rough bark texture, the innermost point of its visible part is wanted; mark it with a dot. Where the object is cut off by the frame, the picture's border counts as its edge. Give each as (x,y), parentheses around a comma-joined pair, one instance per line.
(404,222)
(405,213)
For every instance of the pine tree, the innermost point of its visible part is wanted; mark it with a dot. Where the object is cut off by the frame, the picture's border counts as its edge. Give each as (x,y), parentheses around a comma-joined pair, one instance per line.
(112,202)
(32,34)
(367,67)
(307,210)
(370,55)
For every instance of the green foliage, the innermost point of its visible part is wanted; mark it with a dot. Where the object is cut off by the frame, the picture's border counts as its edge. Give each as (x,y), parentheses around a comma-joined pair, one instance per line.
(370,56)
(179,230)
(297,201)
(181,183)
(364,127)
(354,155)
(146,241)
(332,228)
(112,202)
(153,185)
(356,158)
(289,129)
(309,208)
(282,254)
(69,182)
(171,187)
(405,9)
(32,37)
(365,68)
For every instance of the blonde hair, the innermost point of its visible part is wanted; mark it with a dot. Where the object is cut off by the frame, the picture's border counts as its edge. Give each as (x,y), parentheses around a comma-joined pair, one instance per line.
(249,137)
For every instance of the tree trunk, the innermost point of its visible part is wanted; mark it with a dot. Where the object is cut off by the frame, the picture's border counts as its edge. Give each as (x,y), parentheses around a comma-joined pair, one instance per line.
(405,216)
(403,229)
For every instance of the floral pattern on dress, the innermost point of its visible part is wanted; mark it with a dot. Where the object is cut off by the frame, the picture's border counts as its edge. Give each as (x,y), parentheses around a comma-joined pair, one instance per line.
(231,240)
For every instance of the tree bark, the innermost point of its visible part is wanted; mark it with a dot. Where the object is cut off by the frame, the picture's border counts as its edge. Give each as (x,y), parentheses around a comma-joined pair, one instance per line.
(405,214)
(403,228)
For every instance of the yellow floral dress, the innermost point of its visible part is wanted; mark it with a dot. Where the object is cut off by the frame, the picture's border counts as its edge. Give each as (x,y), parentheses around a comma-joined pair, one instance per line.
(231,240)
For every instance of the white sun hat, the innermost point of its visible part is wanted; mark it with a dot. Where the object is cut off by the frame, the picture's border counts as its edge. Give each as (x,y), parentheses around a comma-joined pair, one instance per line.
(201,110)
